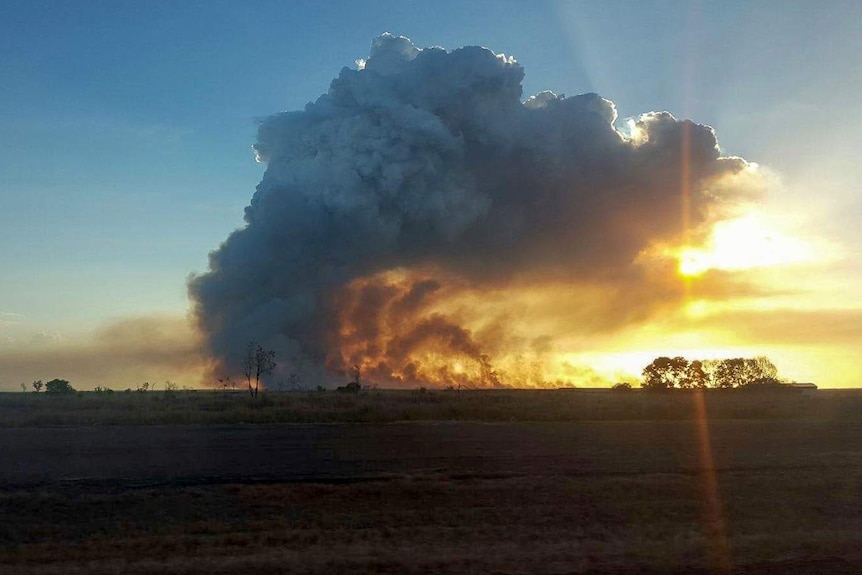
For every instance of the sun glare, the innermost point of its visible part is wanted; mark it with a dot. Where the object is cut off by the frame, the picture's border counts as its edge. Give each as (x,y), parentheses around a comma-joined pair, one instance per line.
(636,134)
(741,244)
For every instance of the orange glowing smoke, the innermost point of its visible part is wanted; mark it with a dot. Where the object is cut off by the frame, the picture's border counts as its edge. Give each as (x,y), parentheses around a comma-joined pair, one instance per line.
(403,328)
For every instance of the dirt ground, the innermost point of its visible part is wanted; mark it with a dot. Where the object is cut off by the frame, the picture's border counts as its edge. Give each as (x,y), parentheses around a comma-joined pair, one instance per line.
(737,496)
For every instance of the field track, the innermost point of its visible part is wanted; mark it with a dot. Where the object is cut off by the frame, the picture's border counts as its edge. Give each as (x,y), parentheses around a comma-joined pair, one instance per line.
(189,455)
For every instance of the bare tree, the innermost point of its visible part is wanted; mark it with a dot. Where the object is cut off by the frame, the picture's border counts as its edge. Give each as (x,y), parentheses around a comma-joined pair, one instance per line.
(294,378)
(248,366)
(264,363)
(257,362)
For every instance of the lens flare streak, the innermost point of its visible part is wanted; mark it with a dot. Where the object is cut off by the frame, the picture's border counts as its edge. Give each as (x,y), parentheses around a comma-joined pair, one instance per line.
(716,529)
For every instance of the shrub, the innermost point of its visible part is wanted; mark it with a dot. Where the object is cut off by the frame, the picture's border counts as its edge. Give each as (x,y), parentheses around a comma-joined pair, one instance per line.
(59,387)
(352,387)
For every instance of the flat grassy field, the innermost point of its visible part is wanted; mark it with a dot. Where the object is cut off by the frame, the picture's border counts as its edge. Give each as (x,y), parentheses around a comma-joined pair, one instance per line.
(610,483)
(379,406)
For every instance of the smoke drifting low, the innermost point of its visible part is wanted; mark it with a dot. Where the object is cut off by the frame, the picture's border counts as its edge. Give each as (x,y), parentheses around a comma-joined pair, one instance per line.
(122,353)
(411,216)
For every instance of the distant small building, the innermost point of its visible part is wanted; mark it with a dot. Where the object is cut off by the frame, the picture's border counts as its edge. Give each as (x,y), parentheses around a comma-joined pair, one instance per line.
(804,388)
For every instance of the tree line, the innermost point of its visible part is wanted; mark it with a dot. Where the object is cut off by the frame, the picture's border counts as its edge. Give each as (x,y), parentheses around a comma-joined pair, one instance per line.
(53,387)
(679,372)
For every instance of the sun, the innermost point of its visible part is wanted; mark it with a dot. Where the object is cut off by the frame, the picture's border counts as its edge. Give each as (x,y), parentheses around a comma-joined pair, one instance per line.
(744,243)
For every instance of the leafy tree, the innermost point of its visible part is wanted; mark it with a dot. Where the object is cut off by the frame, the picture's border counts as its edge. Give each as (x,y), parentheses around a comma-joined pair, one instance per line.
(750,369)
(758,372)
(678,371)
(710,367)
(665,373)
(59,387)
(695,375)
(622,386)
(740,372)
(761,369)
(654,374)
(767,368)
(730,373)
(37,385)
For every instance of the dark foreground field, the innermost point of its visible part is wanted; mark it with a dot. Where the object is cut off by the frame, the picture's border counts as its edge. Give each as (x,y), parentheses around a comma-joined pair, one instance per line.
(776,489)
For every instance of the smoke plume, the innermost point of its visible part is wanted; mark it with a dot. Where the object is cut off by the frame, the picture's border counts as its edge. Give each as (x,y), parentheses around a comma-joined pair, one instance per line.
(411,218)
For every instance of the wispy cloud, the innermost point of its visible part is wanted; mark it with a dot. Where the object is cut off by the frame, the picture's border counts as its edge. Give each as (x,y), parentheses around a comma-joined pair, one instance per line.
(8,318)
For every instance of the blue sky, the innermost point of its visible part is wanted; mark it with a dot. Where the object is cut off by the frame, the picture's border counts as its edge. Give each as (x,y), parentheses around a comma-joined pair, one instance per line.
(126,127)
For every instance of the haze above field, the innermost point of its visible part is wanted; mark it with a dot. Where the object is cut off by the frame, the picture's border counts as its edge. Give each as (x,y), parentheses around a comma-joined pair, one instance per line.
(125,157)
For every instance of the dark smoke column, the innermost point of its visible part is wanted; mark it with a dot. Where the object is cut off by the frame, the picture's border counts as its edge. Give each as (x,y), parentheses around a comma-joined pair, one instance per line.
(430,158)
